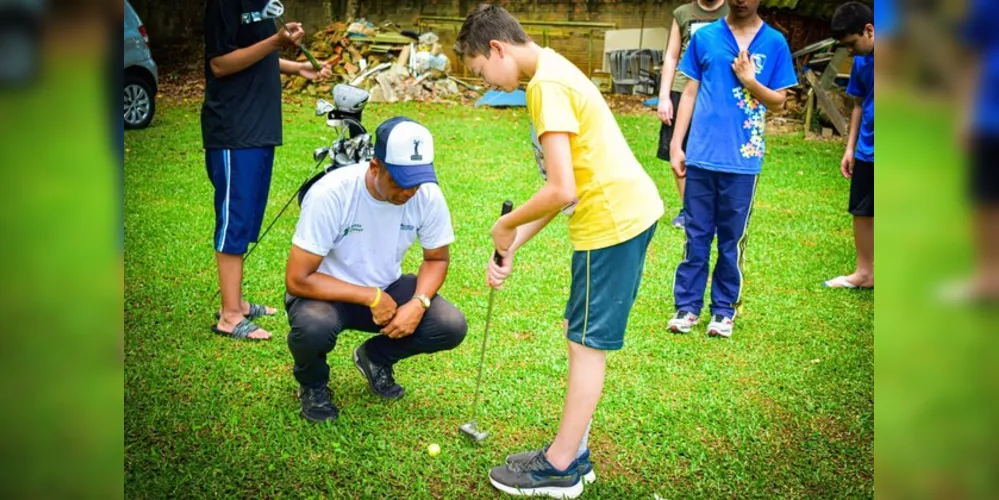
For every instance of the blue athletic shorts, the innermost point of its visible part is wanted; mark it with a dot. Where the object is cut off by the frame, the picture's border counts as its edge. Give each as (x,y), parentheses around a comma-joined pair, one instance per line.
(242,179)
(604,286)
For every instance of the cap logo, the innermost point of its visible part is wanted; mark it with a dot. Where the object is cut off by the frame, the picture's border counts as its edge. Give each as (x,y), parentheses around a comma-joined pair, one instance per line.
(416,151)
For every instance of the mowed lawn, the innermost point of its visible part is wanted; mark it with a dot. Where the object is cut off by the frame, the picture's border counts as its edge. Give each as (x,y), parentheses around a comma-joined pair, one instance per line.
(784,409)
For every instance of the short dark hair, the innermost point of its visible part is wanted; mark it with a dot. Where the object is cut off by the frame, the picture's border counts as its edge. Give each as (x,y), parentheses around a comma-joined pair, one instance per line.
(486,23)
(850,19)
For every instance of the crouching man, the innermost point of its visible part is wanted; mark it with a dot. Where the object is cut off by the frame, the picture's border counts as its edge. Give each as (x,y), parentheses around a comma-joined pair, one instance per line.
(345,268)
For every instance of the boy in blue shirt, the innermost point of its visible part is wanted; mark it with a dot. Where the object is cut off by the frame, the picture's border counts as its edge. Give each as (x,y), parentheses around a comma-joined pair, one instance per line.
(853,27)
(738,68)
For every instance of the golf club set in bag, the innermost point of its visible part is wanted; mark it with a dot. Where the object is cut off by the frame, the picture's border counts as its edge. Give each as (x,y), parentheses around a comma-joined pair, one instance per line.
(352,145)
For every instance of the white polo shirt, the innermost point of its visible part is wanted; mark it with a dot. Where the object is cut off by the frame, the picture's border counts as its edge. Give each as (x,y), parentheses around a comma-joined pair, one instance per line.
(363,240)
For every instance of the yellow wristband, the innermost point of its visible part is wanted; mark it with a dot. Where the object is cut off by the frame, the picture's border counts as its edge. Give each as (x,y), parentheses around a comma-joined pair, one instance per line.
(378,298)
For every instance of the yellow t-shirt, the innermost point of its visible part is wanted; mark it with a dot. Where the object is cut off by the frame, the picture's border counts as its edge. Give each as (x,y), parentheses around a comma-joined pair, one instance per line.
(616,198)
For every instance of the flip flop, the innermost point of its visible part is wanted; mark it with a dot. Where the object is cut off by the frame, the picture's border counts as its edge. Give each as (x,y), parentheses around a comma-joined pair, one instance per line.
(242,331)
(842,282)
(256,311)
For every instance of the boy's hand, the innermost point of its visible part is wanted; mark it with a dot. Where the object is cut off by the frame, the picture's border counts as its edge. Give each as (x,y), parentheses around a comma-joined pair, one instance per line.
(678,162)
(846,164)
(291,36)
(503,236)
(309,73)
(744,68)
(496,274)
(665,110)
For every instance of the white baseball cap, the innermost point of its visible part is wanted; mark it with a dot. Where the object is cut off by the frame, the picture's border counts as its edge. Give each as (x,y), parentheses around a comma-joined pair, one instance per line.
(406,148)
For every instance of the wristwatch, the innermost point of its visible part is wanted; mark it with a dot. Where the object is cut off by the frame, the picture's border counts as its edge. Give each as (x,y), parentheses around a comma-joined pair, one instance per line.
(424,300)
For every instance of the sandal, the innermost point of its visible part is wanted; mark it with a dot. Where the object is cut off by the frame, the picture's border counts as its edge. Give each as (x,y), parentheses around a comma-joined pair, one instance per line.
(842,282)
(242,331)
(256,311)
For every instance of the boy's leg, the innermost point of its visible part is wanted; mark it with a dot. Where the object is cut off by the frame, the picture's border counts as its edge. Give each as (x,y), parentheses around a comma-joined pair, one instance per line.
(605,283)
(691,276)
(662,152)
(735,204)
(862,209)
(235,177)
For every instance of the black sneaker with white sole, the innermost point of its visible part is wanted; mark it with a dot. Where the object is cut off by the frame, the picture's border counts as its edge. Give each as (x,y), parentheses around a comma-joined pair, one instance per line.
(537,477)
(380,378)
(316,404)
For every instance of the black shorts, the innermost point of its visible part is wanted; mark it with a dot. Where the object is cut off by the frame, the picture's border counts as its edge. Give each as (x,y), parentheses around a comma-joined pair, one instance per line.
(666,131)
(862,189)
(984,178)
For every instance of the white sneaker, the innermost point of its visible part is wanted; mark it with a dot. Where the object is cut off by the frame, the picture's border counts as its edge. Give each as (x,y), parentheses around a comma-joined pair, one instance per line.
(683,322)
(720,326)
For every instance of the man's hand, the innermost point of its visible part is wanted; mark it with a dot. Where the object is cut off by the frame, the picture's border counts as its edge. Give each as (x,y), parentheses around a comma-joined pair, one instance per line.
(291,36)
(497,274)
(846,164)
(665,110)
(310,73)
(678,162)
(744,68)
(406,319)
(384,311)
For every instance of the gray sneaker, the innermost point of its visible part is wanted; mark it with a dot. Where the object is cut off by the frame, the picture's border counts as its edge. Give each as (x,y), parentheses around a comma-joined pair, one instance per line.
(582,462)
(537,477)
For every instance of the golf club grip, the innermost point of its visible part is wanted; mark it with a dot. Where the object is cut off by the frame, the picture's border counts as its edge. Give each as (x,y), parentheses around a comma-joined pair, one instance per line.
(507,208)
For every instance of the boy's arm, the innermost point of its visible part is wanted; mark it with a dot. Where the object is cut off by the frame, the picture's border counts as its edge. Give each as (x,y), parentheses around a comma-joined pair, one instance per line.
(557,193)
(684,114)
(745,70)
(240,59)
(670,59)
(846,165)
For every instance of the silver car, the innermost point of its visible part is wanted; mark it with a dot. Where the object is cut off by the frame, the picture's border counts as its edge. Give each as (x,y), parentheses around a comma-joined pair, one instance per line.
(140,74)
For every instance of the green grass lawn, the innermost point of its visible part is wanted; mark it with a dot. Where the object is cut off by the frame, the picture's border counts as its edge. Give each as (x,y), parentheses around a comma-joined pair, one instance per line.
(785,409)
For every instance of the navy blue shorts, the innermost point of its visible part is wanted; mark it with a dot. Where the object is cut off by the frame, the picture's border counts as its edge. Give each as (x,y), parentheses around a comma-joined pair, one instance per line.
(242,179)
(604,286)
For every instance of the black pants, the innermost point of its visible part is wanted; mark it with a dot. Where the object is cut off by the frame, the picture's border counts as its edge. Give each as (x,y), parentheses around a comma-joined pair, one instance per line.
(316,324)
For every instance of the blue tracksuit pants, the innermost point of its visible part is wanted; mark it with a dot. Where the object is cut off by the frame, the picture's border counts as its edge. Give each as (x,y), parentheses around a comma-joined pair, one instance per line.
(716,203)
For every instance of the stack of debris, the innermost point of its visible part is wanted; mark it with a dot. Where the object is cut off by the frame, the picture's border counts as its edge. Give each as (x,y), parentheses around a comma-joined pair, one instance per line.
(393,64)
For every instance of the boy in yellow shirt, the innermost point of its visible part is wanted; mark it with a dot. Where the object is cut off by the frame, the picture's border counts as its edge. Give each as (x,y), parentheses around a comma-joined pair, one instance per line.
(613,207)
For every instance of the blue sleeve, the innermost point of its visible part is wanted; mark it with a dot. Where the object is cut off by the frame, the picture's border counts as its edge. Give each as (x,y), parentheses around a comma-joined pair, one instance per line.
(784,74)
(855,87)
(690,63)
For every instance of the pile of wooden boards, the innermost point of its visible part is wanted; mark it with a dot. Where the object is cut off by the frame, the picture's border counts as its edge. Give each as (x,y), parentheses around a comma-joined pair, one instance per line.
(373,58)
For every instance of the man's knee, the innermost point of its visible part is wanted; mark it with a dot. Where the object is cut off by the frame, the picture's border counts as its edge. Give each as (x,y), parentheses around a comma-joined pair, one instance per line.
(451,326)
(314,326)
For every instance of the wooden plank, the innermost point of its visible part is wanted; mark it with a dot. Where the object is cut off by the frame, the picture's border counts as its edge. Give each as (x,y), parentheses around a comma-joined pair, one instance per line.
(827,105)
(832,70)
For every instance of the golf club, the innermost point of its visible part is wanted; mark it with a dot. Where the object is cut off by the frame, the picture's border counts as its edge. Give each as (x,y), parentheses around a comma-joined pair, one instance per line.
(471,429)
(274,9)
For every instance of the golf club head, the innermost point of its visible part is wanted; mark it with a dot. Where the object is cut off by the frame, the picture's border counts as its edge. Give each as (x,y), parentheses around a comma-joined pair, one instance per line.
(471,432)
(323,107)
(320,154)
(272,10)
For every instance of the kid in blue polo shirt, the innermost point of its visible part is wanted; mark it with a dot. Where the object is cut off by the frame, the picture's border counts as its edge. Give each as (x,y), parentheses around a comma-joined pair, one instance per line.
(853,28)
(739,67)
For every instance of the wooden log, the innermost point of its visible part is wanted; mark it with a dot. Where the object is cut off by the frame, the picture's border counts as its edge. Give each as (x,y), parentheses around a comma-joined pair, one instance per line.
(827,104)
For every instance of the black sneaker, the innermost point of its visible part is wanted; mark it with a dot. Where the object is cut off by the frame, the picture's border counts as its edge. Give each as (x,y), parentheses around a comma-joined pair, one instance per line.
(583,463)
(380,378)
(537,477)
(316,404)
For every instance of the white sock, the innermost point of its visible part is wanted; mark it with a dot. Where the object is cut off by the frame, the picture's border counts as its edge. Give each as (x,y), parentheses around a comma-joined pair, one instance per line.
(586,437)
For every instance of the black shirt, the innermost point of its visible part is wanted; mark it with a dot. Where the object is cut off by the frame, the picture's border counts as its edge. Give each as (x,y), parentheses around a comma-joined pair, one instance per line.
(242,110)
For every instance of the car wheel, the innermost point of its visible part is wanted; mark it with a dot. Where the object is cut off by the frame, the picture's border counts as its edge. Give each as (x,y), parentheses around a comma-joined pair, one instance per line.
(139,102)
